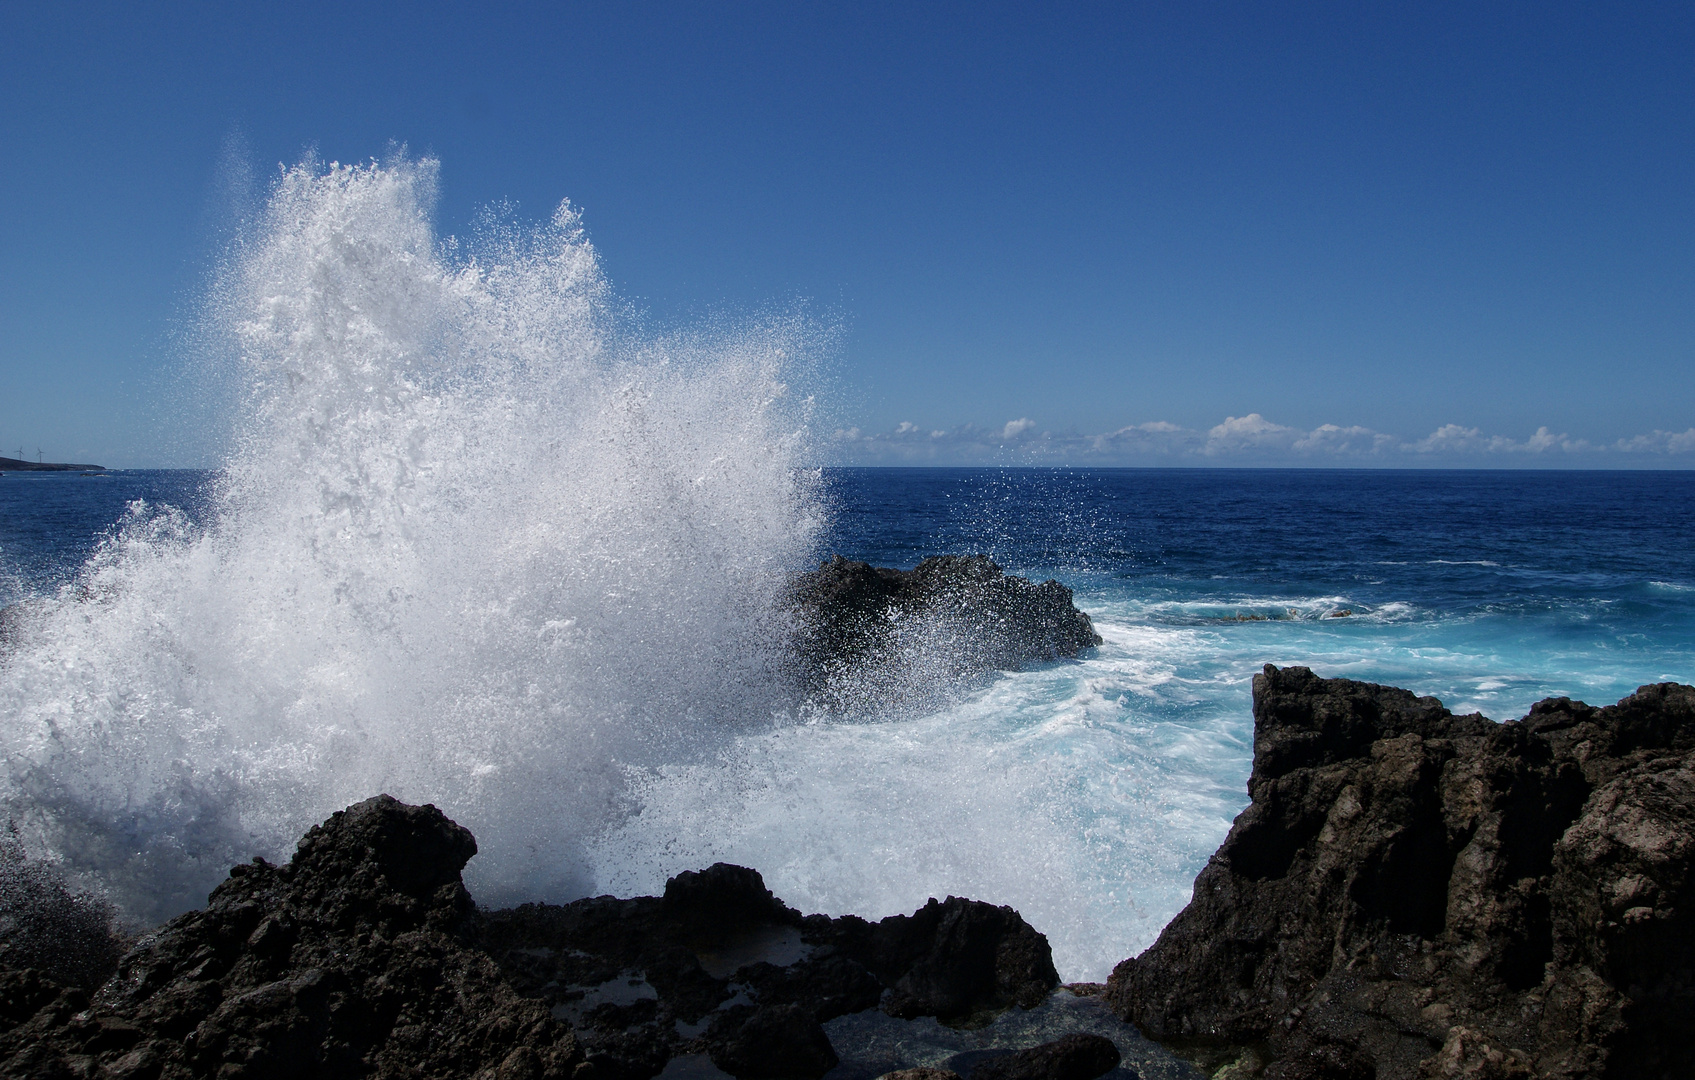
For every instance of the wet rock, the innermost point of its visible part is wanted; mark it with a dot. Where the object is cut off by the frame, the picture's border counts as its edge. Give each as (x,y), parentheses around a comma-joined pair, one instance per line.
(1077,1056)
(952,959)
(364,957)
(777,1041)
(951,616)
(65,936)
(722,899)
(714,958)
(1416,894)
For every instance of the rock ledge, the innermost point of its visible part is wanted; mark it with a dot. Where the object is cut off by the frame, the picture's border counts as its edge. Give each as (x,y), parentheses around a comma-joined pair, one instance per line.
(1416,894)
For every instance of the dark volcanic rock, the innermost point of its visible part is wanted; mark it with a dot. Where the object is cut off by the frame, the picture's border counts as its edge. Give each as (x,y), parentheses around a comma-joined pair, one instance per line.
(1415,894)
(364,957)
(46,926)
(952,959)
(348,962)
(951,615)
(720,966)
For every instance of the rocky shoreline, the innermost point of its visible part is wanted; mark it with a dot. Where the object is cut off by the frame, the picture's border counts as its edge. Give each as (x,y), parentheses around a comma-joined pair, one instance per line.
(1416,894)
(1410,894)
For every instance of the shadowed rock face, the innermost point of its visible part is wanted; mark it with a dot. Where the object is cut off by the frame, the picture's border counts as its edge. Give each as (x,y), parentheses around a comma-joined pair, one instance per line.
(951,616)
(1416,894)
(719,966)
(364,957)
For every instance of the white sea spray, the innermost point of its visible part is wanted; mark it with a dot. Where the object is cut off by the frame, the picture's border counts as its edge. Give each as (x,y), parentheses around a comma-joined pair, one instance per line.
(477,543)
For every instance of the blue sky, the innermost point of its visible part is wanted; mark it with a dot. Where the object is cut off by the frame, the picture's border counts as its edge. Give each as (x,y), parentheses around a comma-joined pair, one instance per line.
(1443,234)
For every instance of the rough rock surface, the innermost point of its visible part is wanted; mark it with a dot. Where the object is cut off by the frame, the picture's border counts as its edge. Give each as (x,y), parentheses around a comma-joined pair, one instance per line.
(347,962)
(719,966)
(960,613)
(45,925)
(1073,1057)
(1416,894)
(364,957)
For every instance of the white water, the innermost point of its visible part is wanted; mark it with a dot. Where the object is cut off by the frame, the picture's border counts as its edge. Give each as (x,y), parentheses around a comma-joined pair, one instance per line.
(477,544)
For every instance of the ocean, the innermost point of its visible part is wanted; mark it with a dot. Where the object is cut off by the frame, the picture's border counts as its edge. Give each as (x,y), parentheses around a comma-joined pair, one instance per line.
(147,751)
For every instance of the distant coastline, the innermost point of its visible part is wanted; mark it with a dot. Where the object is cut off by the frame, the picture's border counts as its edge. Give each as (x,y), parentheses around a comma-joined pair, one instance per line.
(8,464)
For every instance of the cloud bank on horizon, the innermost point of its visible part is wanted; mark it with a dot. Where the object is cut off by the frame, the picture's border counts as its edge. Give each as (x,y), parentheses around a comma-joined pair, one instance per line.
(1254,441)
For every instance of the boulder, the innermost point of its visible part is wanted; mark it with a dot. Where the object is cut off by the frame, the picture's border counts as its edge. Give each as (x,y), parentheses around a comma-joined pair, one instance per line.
(873,635)
(1416,894)
(350,961)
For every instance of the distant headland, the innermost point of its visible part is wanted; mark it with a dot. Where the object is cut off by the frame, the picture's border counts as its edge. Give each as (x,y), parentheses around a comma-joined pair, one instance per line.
(9,464)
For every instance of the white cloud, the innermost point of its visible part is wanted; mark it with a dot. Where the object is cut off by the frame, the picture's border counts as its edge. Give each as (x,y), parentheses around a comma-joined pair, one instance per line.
(1659,442)
(1246,440)
(1248,433)
(1451,439)
(1333,439)
(1454,439)
(1158,437)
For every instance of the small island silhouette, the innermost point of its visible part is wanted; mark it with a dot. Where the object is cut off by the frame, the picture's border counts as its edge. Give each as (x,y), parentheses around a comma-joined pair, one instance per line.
(8,464)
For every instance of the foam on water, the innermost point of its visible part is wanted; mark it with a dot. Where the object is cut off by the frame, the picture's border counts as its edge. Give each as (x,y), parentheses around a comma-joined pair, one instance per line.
(1085,794)
(475,545)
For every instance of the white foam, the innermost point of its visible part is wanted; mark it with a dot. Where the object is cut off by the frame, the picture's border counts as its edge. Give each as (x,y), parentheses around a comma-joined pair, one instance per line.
(1084,794)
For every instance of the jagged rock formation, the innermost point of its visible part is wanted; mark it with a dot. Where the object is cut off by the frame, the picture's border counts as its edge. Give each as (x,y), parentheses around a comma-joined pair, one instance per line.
(1410,894)
(719,966)
(364,957)
(950,616)
(348,962)
(1416,894)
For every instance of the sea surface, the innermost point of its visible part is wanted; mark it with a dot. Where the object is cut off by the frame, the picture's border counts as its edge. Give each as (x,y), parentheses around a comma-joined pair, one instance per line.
(1087,792)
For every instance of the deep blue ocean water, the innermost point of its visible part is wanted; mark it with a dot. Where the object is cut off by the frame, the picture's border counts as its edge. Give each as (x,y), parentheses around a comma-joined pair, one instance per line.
(1088,792)
(1490,589)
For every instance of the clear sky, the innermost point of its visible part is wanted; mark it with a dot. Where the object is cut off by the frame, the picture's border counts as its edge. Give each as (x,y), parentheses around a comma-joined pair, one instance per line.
(1117,233)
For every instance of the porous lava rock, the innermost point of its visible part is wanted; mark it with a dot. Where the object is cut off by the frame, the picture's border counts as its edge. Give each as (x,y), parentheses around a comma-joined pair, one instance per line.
(962,611)
(1413,894)
(365,957)
(350,961)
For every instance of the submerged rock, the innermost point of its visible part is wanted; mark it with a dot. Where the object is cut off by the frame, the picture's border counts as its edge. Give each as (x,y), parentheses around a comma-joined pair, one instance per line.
(1078,1056)
(873,631)
(1416,894)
